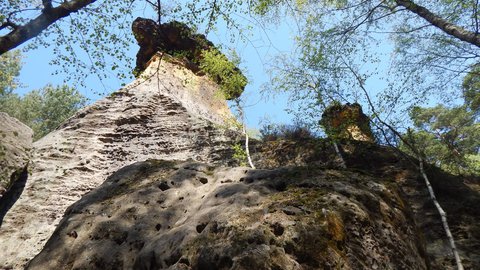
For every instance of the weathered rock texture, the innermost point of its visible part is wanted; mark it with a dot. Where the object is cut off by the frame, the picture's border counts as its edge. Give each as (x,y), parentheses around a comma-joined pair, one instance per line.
(347,122)
(172,38)
(169,113)
(177,39)
(15,146)
(182,209)
(459,196)
(177,215)
(157,215)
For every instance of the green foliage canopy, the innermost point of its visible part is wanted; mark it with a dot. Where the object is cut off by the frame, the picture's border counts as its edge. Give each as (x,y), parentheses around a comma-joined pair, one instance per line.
(225,72)
(471,89)
(447,137)
(45,109)
(91,37)
(10,65)
(338,53)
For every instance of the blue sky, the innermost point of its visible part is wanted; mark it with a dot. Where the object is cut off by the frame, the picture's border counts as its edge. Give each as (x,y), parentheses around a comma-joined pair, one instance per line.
(261,46)
(260,49)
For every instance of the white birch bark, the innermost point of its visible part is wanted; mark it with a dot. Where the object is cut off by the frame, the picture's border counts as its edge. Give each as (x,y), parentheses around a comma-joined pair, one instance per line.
(443,215)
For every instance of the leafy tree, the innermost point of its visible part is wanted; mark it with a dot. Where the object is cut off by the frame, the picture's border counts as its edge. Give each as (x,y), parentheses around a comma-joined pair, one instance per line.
(471,89)
(435,44)
(225,72)
(448,137)
(45,109)
(10,64)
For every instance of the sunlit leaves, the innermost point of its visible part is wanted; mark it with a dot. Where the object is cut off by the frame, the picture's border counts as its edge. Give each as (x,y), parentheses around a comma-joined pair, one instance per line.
(10,64)
(45,109)
(471,89)
(225,72)
(95,41)
(343,44)
(447,137)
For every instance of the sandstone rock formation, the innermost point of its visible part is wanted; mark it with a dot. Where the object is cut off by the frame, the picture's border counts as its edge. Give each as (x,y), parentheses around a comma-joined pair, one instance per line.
(15,152)
(159,215)
(188,215)
(139,180)
(15,146)
(347,122)
(172,38)
(170,113)
(457,195)
(177,39)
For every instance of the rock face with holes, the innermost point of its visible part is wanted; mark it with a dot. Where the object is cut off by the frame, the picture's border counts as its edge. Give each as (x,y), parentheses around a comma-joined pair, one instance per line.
(169,113)
(169,215)
(15,146)
(139,180)
(310,215)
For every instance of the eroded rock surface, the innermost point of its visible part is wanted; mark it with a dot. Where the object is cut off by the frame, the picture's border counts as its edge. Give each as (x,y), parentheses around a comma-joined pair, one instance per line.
(187,215)
(459,196)
(15,146)
(169,215)
(170,113)
(177,39)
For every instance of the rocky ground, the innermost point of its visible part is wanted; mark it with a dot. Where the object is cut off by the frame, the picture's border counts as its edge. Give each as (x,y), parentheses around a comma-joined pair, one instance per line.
(187,215)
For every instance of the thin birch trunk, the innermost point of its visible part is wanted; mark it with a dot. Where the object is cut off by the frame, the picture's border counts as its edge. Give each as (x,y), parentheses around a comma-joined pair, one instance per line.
(443,215)
(244,130)
(419,157)
(337,150)
(247,151)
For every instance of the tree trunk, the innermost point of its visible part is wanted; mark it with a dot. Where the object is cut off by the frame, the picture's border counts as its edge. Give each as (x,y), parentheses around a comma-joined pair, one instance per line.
(443,216)
(33,28)
(444,25)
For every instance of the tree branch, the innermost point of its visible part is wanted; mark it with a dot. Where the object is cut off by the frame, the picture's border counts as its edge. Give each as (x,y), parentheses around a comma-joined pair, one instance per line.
(444,25)
(34,27)
(47,5)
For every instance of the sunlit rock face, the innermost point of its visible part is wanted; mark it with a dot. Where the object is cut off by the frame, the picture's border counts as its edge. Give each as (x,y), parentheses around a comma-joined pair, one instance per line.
(140,180)
(168,113)
(15,146)
(303,212)
(176,39)
(347,122)
(172,215)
